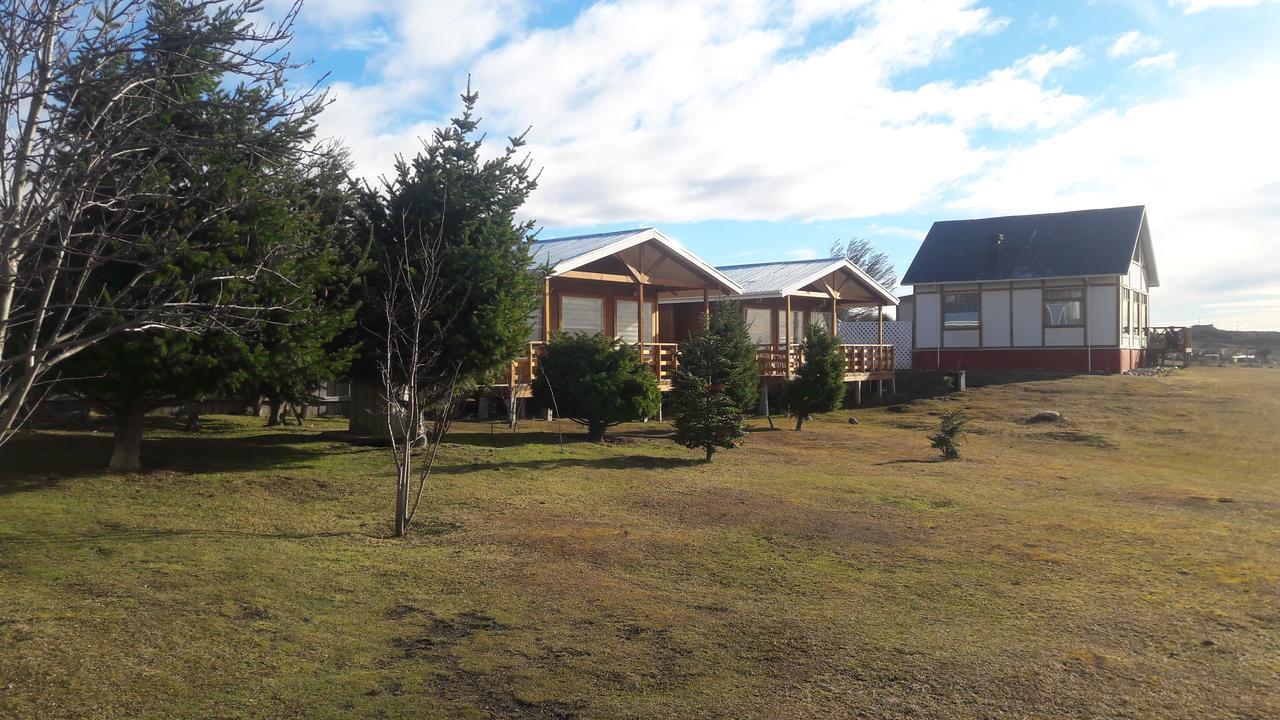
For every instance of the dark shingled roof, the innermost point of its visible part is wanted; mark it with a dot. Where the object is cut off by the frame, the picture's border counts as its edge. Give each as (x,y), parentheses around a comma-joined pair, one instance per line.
(1065,244)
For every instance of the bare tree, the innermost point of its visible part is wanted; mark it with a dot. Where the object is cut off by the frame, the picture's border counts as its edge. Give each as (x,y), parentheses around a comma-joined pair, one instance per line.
(875,263)
(87,127)
(413,352)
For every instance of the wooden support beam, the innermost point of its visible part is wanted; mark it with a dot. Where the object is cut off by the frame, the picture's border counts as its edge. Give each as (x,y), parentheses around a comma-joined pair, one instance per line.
(706,303)
(835,320)
(546,310)
(786,371)
(606,277)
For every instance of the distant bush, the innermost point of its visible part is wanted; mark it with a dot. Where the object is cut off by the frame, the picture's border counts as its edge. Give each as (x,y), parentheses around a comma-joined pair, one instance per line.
(944,440)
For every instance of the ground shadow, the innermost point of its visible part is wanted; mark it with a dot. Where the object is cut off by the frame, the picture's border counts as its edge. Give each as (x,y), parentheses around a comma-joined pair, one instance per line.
(621,462)
(40,460)
(912,461)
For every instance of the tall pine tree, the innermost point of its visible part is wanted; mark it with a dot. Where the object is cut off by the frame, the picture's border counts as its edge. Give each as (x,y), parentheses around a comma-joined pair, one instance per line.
(738,372)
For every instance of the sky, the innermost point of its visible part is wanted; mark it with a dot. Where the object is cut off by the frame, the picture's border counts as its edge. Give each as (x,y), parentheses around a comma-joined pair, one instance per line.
(754,131)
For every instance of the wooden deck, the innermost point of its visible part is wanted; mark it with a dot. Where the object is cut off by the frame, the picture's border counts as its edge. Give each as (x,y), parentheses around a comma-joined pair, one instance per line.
(776,364)
(861,362)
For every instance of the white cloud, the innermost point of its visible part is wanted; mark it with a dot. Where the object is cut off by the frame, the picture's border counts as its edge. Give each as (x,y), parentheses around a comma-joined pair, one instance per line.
(802,253)
(1163,61)
(1197,6)
(1133,43)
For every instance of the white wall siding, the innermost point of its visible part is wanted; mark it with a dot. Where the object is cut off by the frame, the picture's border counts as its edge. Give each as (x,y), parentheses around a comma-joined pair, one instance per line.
(1137,278)
(961,338)
(1028,316)
(1073,337)
(928,320)
(1103,315)
(995,318)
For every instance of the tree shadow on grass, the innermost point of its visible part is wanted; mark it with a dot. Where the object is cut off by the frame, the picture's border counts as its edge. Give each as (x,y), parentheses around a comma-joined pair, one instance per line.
(132,534)
(913,461)
(620,462)
(43,460)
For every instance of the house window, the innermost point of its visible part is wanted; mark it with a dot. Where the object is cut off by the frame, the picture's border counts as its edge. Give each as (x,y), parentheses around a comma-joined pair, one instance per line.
(626,321)
(961,311)
(1064,307)
(821,319)
(534,320)
(1126,308)
(582,315)
(797,326)
(760,325)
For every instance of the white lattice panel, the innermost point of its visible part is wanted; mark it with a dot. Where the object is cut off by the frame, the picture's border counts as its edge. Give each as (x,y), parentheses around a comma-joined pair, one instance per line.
(896,333)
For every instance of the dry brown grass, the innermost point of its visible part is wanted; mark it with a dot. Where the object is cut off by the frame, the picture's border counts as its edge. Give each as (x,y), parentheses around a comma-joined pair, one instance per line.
(1122,563)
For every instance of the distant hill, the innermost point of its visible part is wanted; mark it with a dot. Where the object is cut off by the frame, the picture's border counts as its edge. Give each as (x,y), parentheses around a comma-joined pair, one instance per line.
(1208,338)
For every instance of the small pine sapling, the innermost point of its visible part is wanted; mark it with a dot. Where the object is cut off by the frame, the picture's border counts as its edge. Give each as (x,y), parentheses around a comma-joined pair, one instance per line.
(953,423)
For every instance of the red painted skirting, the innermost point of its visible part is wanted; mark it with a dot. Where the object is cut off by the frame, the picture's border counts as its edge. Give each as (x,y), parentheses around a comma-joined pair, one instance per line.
(1105,360)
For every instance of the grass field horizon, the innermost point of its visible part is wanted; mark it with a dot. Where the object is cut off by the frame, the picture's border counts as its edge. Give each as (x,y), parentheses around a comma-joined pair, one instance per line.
(1121,563)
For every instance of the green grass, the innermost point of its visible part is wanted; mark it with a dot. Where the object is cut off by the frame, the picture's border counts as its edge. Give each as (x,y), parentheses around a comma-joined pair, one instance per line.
(1124,563)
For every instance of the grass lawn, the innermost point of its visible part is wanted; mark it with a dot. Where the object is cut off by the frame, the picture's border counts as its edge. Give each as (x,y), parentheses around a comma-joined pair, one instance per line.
(1125,563)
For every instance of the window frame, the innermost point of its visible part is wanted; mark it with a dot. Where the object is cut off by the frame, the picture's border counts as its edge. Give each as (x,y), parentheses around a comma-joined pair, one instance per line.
(977,303)
(1047,318)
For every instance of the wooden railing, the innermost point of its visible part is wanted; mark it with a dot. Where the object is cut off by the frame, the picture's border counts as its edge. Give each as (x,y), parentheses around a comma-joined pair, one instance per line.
(773,360)
(661,357)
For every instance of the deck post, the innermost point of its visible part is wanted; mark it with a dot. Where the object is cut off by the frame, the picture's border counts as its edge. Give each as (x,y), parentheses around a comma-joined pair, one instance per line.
(706,303)
(835,322)
(546,314)
(857,392)
(786,371)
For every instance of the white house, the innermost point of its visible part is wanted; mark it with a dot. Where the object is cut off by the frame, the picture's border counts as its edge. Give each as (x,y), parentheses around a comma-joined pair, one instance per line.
(1056,291)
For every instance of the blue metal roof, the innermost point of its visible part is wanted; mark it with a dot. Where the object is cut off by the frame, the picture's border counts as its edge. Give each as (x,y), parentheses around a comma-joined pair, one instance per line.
(774,277)
(554,251)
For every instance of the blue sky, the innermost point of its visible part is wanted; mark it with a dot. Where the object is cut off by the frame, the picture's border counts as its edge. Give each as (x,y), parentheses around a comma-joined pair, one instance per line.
(754,130)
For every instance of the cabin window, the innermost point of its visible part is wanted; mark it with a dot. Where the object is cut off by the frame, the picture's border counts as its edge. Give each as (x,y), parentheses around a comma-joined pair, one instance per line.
(961,311)
(1126,310)
(797,326)
(626,321)
(1064,307)
(760,325)
(821,319)
(534,321)
(582,315)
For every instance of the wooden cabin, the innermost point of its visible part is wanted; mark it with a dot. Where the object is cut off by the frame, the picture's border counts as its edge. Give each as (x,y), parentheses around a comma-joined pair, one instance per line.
(611,283)
(780,299)
(1066,291)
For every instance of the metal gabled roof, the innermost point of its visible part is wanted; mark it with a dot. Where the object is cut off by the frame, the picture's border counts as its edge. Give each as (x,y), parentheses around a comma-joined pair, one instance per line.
(1046,245)
(776,279)
(567,253)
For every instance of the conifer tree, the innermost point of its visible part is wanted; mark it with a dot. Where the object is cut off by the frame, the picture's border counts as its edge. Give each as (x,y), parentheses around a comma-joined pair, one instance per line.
(595,381)
(819,382)
(738,372)
(707,417)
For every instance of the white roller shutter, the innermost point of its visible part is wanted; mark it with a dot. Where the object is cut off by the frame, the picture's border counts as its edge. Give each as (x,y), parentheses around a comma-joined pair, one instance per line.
(581,315)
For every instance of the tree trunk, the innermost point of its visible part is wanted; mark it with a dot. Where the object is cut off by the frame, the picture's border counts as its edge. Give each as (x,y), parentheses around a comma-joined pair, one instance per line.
(126,455)
(193,419)
(274,408)
(404,472)
(596,430)
(710,451)
(799,421)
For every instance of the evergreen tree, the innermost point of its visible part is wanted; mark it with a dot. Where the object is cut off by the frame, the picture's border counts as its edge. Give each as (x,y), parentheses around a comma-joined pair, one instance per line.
(706,415)
(213,210)
(465,208)
(596,381)
(307,341)
(818,385)
(738,371)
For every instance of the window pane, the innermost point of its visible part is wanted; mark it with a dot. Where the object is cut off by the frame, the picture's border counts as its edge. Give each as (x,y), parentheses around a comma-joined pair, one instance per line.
(626,320)
(535,324)
(797,326)
(581,315)
(760,324)
(961,311)
(1064,307)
